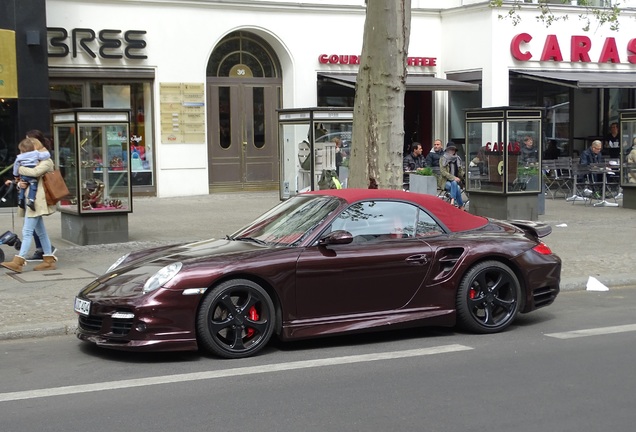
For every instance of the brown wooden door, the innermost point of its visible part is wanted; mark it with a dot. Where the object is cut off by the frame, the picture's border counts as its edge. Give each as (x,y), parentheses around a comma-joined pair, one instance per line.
(242,134)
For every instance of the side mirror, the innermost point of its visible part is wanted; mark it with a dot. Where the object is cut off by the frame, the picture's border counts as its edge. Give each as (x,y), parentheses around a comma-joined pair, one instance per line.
(336,237)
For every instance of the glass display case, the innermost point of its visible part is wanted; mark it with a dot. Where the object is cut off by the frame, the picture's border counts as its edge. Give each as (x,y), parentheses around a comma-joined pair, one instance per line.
(503,158)
(92,149)
(627,127)
(504,150)
(314,145)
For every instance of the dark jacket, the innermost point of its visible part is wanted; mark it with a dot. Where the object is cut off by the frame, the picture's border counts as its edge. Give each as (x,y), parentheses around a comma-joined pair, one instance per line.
(529,155)
(411,163)
(588,157)
(432,159)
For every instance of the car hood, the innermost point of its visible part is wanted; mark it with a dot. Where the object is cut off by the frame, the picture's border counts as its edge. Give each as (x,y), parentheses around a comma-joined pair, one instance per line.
(201,258)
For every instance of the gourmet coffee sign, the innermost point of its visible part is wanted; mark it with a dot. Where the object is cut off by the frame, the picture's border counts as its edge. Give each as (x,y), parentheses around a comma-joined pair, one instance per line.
(575,49)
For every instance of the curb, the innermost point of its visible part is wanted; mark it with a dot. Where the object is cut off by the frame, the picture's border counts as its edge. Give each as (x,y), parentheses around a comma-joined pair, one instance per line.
(38,330)
(70,327)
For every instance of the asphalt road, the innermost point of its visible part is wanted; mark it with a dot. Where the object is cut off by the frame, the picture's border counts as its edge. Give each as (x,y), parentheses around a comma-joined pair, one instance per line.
(568,367)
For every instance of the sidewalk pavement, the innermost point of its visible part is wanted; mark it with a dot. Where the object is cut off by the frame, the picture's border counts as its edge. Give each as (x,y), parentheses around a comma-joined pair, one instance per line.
(591,241)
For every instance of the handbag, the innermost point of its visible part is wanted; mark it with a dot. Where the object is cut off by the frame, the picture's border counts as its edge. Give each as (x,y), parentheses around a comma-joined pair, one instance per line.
(54,187)
(135,161)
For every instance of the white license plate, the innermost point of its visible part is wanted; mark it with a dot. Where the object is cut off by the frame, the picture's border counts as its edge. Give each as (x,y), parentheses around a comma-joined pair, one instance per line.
(82,307)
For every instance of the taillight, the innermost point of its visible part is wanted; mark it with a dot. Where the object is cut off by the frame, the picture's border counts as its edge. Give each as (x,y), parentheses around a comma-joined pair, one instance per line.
(542,248)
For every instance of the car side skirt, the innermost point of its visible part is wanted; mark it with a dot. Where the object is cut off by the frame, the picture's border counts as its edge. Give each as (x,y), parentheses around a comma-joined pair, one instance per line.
(311,328)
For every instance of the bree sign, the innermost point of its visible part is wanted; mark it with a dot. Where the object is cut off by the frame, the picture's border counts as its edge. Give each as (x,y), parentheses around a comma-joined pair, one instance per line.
(109,44)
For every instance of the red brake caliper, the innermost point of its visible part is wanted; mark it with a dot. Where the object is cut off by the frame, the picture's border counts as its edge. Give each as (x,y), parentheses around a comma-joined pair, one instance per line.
(472,293)
(254,317)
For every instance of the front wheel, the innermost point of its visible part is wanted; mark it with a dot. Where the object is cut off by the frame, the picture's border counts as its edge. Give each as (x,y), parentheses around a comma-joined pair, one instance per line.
(488,298)
(236,319)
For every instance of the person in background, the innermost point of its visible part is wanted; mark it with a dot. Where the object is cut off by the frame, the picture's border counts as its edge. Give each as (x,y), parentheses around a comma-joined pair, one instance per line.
(451,169)
(33,221)
(552,152)
(432,158)
(592,155)
(613,142)
(38,253)
(412,162)
(529,153)
(631,163)
(28,157)
(480,160)
(339,153)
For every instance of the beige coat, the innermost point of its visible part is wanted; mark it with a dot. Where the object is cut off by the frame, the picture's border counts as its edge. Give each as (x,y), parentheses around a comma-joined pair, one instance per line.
(41,208)
(631,160)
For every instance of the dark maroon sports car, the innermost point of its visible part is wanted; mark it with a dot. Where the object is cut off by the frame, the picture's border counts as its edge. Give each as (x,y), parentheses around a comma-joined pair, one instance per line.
(324,263)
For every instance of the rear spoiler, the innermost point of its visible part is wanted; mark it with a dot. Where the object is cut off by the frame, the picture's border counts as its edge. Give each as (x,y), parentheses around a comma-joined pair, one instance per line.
(538,229)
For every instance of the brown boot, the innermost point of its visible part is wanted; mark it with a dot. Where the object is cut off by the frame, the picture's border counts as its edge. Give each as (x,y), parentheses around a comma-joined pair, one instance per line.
(48,263)
(15,265)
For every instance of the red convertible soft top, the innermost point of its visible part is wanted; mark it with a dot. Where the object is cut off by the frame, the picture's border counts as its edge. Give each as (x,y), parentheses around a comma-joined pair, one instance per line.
(455,220)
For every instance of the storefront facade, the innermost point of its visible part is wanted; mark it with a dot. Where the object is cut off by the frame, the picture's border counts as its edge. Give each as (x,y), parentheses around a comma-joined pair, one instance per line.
(204,80)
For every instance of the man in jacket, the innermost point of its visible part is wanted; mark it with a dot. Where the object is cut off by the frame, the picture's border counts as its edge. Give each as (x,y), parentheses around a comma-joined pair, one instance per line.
(592,155)
(432,159)
(412,162)
(529,153)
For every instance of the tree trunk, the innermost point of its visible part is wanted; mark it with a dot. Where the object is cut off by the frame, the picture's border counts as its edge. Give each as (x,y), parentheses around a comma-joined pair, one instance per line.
(378,116)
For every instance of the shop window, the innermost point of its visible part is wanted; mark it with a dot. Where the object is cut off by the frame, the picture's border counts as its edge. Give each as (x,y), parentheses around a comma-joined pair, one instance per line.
(65,96)
(331,94)
(556,101)
(131,96)
(136,96)
(8,140)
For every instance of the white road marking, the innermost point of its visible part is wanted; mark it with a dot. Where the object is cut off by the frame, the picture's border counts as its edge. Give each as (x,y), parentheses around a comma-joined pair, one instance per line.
(593,332)
(195,376)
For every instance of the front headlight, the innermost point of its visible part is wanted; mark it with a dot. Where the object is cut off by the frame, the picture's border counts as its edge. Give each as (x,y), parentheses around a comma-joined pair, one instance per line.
(162,277)
(117,263)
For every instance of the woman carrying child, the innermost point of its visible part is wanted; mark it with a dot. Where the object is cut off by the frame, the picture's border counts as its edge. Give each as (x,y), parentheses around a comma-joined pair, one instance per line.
(33,221)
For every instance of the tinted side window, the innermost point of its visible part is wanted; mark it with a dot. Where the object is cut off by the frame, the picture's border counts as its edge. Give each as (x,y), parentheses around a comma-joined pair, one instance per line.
(377,220)
(426,225)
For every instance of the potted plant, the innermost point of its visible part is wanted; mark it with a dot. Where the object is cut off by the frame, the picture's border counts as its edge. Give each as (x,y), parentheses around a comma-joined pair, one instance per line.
(423,180)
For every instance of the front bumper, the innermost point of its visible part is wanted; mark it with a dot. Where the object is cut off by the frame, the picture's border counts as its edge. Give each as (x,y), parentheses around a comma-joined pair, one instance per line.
(164,321)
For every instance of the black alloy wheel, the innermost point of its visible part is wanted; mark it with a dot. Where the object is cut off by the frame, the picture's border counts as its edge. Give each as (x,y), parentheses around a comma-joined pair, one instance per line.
(236,319)
(488,298)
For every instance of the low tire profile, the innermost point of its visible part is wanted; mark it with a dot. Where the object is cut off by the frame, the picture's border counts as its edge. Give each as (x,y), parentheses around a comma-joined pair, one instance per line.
(488,298)
(236,319)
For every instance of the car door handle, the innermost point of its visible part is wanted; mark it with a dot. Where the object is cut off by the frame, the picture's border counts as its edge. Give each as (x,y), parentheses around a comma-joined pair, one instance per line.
(417,259)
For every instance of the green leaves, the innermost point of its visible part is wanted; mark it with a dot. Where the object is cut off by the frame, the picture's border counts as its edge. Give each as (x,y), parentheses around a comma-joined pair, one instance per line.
(607,15)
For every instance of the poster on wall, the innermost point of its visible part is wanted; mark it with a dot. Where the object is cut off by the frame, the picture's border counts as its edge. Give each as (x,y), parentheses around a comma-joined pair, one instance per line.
(182,113)
(8,65)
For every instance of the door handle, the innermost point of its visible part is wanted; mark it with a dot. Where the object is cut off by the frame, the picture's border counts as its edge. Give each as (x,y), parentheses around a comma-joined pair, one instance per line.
(417,259)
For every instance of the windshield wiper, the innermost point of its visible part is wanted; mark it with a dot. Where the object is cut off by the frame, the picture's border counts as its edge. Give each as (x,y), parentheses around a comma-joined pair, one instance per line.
(250,239)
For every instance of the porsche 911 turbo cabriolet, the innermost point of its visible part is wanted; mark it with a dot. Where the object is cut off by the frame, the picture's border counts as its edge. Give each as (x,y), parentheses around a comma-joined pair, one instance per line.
(324,263)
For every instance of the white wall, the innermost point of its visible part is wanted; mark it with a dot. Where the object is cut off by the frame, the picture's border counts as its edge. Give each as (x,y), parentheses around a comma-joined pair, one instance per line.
(463,35)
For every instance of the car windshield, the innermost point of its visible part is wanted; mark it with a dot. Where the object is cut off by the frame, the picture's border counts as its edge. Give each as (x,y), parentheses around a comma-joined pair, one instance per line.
(289,222)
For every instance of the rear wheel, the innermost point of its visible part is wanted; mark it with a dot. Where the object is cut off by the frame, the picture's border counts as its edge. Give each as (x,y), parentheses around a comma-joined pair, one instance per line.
(236,319)
(488,298)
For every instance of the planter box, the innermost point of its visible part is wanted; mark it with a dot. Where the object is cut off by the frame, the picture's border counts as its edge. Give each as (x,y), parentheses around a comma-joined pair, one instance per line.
(423,184)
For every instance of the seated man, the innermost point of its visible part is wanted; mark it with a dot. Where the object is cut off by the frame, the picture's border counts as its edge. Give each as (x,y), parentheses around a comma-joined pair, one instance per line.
(529,153)
(412,162)
(592,155)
